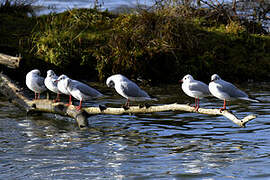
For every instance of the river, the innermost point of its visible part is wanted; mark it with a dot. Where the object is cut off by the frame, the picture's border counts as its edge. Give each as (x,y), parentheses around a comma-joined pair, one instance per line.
(167,145)
(47,6)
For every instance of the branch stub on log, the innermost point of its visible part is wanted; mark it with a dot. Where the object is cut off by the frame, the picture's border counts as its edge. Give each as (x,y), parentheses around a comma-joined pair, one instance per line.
(10,61)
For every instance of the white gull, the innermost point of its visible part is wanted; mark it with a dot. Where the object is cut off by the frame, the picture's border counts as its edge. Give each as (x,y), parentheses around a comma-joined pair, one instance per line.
(195,89)
(127,88)
(81,91)
(226,91)
(35,82)
(51,84)
(62,87)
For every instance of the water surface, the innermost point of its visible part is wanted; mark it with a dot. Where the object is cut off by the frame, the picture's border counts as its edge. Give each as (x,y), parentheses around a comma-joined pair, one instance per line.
(47,6)
(167,145)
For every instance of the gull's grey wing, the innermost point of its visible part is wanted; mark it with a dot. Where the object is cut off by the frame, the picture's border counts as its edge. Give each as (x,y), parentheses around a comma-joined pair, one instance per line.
(85,89)
(132,90)
(40,82)
(199,86)
(231,90)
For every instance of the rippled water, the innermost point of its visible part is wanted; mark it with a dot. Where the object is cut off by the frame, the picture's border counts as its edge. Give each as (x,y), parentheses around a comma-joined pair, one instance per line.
(167,145)
(62,5)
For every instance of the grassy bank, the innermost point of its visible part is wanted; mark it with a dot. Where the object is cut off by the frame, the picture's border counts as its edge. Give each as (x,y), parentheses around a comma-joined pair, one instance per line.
(160,45)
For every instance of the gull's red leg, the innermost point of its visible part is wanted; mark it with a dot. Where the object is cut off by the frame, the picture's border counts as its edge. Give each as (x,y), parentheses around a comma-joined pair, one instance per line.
(198,104)
(69,103)
(80,106)
(127,103)
(224,106)
(57,99)
(126,106)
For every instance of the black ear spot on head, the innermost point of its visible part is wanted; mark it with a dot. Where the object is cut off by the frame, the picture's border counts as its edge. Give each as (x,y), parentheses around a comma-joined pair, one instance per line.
(111,83)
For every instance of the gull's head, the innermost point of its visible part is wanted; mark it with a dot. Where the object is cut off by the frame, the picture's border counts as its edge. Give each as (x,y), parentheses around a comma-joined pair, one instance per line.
(50,73)
(61,78)
(186,78)
(116,78)
(35,72)
(110,82)
(215,77)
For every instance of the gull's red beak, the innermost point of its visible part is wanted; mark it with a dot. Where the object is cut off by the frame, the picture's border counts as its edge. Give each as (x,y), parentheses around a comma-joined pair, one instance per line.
(180,81)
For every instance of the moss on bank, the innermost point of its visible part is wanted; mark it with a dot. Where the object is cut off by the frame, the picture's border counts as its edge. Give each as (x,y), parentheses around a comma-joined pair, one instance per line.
(162,45)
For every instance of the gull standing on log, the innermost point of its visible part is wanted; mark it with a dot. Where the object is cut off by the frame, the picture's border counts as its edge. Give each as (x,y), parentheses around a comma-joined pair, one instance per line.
(51,84)
(195,89)
(35,82)
(226,91)
(127,89)
(62,87)
(81,91)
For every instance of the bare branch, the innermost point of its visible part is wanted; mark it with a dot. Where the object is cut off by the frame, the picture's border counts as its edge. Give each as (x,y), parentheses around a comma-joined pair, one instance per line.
(171,107)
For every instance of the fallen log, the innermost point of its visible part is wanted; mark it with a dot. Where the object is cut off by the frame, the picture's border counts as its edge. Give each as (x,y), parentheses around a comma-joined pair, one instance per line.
(15,95)
(10,61)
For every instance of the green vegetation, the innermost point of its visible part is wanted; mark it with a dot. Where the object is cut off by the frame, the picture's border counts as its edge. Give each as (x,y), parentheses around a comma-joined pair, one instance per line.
(71,39)
(161,45)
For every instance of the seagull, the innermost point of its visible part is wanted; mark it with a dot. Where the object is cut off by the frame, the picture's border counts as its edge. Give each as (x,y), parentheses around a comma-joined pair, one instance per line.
(195,89)
(127,89)
(51,84)
(35,82)
(62,86)
(226,91)
(81,91)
